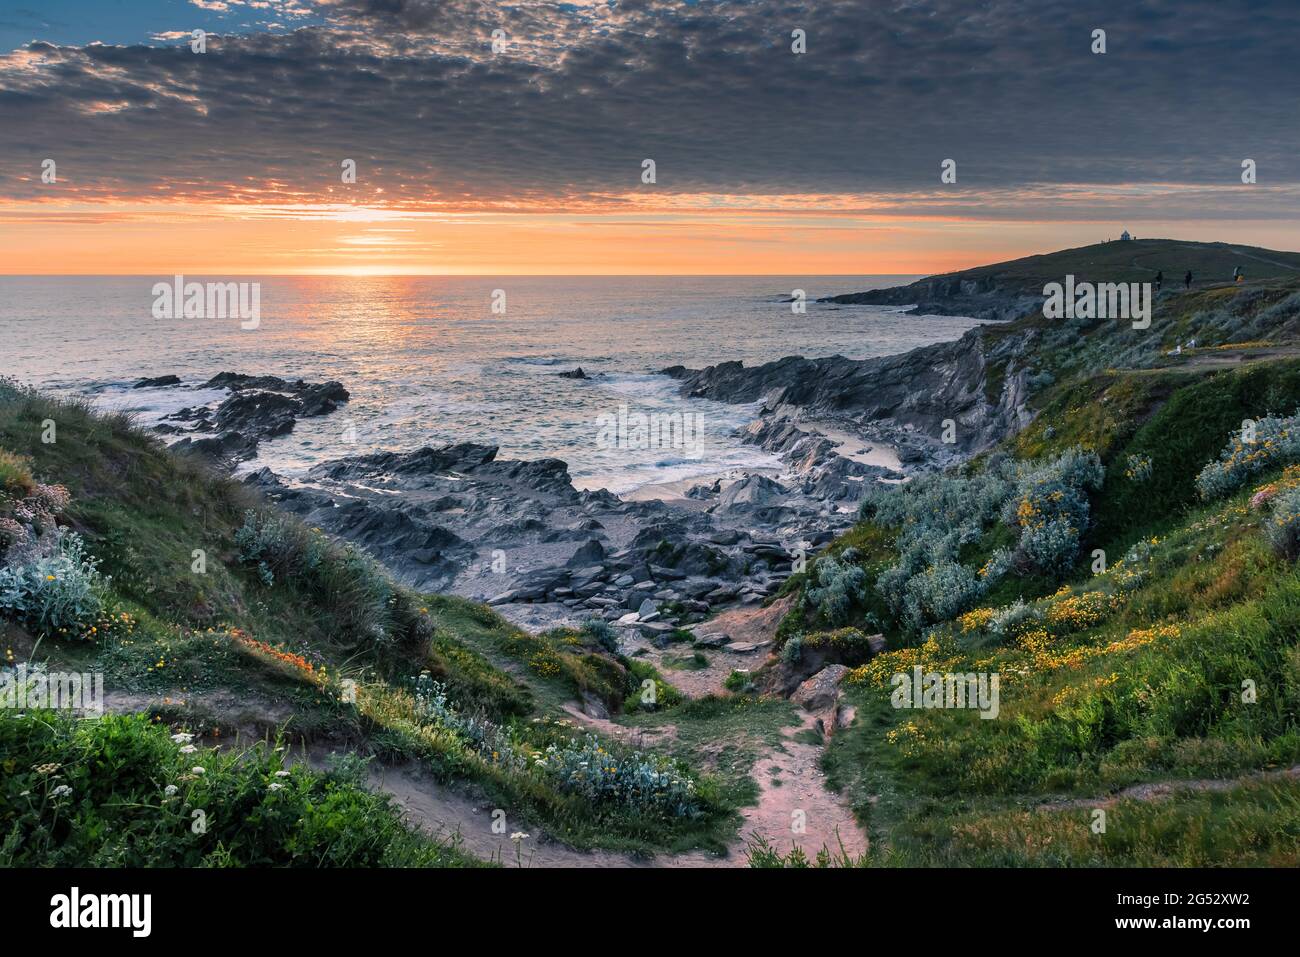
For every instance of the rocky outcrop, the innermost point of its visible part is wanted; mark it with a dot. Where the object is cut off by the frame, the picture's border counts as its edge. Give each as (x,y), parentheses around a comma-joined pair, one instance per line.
(517,533)
(980,297)
(978,382)
(258,407)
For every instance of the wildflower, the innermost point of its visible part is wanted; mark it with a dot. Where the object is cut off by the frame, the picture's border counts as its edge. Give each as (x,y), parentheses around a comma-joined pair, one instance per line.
(188,749)
(170,790)
(275,786)
(518,836)
(196,770)
(281,774)
(182,738)
(61,791)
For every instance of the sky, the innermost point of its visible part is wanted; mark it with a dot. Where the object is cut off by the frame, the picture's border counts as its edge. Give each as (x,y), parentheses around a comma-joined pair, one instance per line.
(527,155)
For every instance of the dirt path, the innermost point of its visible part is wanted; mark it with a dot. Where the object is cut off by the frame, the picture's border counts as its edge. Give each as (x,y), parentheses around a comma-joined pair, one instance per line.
(794,806)
(1154,791)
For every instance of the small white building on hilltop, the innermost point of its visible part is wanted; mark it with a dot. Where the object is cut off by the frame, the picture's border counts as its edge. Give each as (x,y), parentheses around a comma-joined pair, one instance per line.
(1124,235)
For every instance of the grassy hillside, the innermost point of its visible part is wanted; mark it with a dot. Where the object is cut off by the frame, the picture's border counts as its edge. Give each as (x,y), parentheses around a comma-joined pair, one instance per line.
(222,622)
(1139,260)
(1126,566)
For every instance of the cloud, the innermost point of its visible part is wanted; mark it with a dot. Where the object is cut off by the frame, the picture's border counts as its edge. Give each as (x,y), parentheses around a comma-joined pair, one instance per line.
(583,92)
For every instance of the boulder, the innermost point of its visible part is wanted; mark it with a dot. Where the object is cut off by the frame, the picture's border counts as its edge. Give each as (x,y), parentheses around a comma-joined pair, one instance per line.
(587,555)
(822,690)
(157,382)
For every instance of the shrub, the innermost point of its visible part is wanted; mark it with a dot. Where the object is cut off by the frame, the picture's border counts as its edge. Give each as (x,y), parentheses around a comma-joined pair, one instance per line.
(1015,618)
(59,593)
(1276,442)
(938,516)
(665,695)
(586,766)
(1283,525)
(839,586)
(342,580)
(792,650)
(118,792)
(1137,468)
(1051,508)
(15,474)
(602,633)
(940,593)
(739,682)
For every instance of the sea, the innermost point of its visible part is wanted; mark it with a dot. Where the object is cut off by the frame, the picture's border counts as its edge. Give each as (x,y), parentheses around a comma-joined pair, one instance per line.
(437,360)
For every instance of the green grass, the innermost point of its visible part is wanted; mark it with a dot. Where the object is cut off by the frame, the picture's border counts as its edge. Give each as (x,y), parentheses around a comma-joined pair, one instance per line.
(118,792)
(243,650)
(1130,677)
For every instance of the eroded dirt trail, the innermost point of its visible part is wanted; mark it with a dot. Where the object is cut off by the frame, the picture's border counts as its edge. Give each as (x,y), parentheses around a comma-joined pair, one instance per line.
(793,808)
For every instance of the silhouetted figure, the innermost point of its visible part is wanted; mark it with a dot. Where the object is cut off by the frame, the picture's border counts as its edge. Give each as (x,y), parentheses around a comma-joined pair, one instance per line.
(1237,275)
(1187,280)
(1160,278)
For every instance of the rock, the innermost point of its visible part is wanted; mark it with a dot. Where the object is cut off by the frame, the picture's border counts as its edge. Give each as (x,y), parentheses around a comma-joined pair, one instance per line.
(648,609)
(876,643)
(844,717)
(667,574)
(698,587)
(593,707)
(157,382)
(630,618)
(655,629)
(822,690)
(745,647)
(711,641)
(573,374)
(750,491)
(587,555)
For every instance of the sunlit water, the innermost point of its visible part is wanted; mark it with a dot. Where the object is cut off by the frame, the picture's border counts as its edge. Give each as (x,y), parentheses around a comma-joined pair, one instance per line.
(428,362)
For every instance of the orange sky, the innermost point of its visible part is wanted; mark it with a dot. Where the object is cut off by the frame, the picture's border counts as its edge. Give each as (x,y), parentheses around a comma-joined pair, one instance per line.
(220,239)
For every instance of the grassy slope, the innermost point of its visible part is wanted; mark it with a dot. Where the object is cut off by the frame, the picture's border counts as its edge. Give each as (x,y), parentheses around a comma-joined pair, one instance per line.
(1139,260)
(1120,686)
(223,653)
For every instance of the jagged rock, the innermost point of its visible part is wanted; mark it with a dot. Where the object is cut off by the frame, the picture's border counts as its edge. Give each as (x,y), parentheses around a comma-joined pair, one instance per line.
(822,690)
(745,647)
(648,610)
(157,382)
(573,374)
(711,640)
(750,491)
(590,553)
(593,707)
